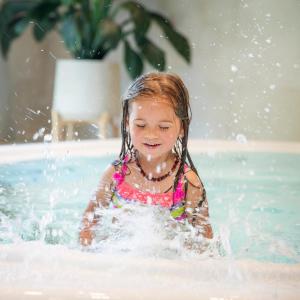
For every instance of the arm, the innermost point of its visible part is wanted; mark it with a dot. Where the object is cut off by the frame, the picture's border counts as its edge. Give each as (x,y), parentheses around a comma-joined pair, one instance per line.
(101,198)
(197,205)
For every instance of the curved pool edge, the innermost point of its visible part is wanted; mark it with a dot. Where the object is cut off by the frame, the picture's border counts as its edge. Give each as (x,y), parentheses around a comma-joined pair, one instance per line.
(88,148)
(85,275)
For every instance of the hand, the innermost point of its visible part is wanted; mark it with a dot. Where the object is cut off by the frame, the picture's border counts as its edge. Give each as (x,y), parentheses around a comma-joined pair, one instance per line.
(86,236)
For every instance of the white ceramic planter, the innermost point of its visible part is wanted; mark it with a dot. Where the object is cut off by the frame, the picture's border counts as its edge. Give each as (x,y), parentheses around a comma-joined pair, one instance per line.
(85,89)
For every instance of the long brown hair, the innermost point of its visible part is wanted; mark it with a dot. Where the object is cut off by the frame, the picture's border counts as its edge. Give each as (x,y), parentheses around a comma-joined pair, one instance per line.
(171,87)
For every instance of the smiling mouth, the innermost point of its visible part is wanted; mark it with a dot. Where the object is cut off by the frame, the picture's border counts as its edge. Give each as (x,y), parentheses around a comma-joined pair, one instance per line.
(151,145)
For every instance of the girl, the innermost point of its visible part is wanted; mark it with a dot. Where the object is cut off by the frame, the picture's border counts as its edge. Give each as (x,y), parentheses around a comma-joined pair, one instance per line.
(154,165)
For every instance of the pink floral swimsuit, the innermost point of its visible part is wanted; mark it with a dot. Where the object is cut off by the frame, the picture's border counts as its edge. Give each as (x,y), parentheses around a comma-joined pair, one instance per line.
(123,191)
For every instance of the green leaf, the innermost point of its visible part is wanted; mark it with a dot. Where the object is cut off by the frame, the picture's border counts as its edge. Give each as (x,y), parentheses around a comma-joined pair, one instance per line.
(179,42)
(40,29)
(104,7)
(20,26)
(139,15)
(44,10)
(133,61)
(13,21)
(15,29)
(5,44)
(154,55)
(70,34)
(108,35)
(68,2)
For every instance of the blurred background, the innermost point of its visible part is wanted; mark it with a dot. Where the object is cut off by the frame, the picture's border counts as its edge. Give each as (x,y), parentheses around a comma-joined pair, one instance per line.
(244,75)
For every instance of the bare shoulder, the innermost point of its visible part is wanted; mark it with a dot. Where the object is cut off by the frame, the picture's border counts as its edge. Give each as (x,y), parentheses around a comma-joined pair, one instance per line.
(193,179)
(108,173)
(104,189)
(195,189)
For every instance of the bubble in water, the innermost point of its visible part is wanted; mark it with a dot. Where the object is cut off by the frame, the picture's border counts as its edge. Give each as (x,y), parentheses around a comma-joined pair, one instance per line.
(272,86)
(241,138)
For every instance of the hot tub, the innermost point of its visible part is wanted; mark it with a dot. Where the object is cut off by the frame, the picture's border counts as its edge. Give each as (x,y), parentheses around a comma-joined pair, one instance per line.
(253,191)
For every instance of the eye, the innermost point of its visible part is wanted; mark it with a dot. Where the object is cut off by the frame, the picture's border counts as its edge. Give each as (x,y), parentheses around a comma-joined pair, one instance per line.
(164,128)
(140,125)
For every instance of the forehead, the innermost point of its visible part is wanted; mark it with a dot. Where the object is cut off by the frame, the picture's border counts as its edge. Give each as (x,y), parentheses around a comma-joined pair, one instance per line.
(152,103)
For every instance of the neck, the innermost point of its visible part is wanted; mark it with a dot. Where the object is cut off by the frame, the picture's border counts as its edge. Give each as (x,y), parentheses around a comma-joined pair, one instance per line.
(155,165)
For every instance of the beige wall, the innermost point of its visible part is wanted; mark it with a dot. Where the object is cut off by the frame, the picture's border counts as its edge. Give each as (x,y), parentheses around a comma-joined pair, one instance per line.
(246,67)
(30,74)
(244,77)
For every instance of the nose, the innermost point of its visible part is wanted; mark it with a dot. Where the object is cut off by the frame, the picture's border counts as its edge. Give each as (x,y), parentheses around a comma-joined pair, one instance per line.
(151,134)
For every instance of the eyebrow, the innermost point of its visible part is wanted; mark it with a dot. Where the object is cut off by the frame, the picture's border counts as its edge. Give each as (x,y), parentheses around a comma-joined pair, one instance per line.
(161,121)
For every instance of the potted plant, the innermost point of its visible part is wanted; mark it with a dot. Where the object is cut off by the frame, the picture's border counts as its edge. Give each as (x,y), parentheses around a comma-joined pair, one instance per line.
(85,88)
(92,28)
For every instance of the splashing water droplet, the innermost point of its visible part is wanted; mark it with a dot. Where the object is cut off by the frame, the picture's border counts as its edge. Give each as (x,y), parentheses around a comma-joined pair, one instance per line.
(47,138)
(269,40)
(158,169)
(241,138)
(234,68)
(35,136)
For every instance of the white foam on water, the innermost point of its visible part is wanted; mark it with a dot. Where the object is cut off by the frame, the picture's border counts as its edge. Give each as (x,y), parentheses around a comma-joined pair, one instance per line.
(141,255)
(56,272)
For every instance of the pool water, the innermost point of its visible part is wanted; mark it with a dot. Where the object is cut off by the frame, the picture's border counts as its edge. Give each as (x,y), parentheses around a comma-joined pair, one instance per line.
(254,201)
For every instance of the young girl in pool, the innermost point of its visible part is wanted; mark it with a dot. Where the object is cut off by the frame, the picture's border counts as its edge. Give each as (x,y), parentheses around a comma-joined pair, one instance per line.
(154,165)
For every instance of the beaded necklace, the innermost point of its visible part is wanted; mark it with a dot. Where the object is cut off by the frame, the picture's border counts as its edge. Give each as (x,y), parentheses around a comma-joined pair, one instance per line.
(151,178)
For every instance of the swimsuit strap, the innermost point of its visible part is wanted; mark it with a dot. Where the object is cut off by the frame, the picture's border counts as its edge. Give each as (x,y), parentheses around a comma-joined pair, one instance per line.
(179,194)
(120,174)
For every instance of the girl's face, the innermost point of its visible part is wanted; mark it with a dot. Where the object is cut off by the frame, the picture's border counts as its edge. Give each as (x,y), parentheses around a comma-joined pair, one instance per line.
(153,126)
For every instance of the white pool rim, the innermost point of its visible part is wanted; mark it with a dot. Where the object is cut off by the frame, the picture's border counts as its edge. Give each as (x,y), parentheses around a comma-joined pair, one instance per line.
(90,148)
(204,279)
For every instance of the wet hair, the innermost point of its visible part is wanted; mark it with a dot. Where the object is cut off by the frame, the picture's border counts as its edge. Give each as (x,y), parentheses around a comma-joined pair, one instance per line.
(169,86)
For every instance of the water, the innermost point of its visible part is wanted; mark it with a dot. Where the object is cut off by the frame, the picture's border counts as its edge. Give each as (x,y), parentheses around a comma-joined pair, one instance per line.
(253,198)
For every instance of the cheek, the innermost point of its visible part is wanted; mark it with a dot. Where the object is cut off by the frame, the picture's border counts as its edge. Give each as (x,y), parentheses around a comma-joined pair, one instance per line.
(135,133)
(170,137)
